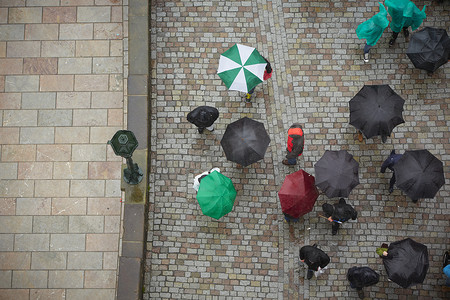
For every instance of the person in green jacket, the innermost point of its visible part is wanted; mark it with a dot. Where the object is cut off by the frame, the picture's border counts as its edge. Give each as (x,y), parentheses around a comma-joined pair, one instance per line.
(372,29)
(404,14)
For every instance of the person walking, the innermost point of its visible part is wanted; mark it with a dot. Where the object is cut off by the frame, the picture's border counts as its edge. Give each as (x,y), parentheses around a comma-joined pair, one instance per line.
(372,29)
(404,14)
(339,213)
(314,258)
(295,144)
(267,74)
(389,163)
(203,117)
(361,277)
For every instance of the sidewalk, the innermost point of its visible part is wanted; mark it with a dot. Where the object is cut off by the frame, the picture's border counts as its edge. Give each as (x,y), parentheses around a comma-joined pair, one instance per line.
(62,71)
(318,67)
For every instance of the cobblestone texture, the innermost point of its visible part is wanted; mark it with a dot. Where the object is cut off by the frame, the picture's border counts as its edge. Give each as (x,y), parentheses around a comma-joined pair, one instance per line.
(317,60)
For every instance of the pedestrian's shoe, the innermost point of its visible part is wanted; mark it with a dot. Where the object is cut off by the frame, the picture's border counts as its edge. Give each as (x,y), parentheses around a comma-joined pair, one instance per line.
(360,137)
(286,162)
(366,57)
(391,42)
(361,294)
(391,189)
(310,274)
(200,130)
(384,138)
(405,32)
(333,231)
(415,200)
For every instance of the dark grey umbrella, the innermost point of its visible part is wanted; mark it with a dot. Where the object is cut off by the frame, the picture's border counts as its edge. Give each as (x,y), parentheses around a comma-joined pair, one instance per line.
(245,141)
(376,110)
(429,48)
(407,262)
(336,173)
(419,174)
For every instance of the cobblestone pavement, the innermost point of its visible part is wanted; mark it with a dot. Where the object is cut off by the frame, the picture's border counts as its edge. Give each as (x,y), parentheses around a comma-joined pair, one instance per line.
(61,98)
(318,68)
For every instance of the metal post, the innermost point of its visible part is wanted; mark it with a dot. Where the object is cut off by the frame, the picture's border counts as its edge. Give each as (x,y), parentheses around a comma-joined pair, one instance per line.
(132,174)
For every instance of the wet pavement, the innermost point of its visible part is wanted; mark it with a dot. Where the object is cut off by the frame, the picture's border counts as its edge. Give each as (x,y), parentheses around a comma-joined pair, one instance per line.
(317,59)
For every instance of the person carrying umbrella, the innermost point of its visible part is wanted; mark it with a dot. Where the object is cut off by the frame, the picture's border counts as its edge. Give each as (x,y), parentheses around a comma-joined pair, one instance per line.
(419,174)
(295,144)
(406,262)
(339,213)
(372,29)
(389,163)
(203,117)
(216,195)
(267,74)
(361,277)
(297,194)
(245,141)
(315,258)
(404,14)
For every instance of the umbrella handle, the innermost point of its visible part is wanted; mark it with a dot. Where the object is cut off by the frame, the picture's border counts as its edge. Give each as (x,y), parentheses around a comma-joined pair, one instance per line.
(333,220)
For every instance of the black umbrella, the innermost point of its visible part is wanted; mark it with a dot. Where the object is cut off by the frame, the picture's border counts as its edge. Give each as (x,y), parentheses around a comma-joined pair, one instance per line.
(406,263)
(429,48)
(245,141)
(336,173)
(376,110)
(419,174)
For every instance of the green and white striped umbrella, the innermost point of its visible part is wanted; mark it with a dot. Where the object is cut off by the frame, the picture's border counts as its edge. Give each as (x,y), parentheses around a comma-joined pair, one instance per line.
(241,68)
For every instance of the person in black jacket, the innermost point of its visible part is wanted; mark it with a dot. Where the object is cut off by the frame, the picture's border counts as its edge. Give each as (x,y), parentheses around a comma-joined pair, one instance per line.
(389,163)
(314,258)
(339,213)
(203,117)
(360,277)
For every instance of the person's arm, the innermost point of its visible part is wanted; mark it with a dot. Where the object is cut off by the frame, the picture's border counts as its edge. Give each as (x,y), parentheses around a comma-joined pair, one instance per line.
(324,260)
(385,165)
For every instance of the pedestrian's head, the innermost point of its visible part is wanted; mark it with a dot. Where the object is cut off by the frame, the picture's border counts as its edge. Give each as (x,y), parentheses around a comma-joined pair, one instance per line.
(201,177)
(384,245)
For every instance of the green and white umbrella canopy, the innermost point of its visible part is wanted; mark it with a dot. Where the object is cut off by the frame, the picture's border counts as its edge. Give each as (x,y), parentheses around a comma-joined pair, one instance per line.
(241,68)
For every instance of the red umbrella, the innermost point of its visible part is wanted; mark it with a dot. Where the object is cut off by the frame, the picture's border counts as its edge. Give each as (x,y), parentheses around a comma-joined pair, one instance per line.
(298,194)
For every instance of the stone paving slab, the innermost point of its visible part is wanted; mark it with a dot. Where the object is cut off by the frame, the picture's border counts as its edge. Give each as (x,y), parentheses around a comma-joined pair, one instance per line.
(317,60)
(62,97)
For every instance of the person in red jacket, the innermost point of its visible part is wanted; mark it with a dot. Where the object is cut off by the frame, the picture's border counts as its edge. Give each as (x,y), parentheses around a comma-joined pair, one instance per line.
(295,144)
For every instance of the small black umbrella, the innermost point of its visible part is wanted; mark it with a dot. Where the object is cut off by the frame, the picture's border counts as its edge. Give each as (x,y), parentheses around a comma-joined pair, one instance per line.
(336,173)
(429,48)
(407,262)
(245,141)
(376,110)
(419,174)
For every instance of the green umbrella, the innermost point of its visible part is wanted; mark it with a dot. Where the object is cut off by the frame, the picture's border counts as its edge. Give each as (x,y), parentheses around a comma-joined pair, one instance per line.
(216,195)
(241,68)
